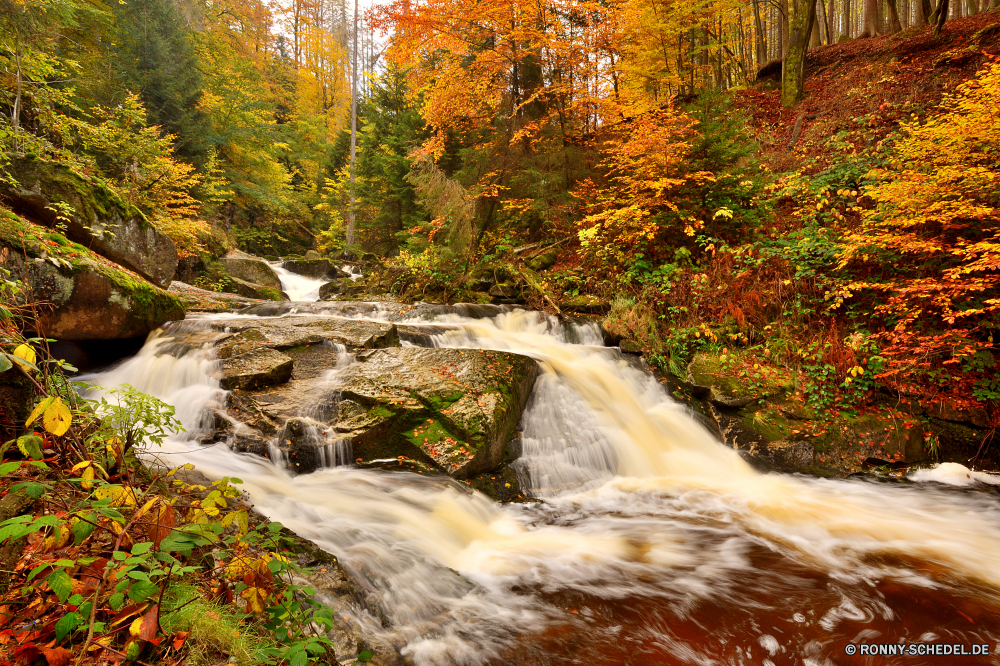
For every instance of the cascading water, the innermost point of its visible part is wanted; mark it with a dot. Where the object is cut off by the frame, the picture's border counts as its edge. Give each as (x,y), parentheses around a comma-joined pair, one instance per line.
(653,543)
(298,287)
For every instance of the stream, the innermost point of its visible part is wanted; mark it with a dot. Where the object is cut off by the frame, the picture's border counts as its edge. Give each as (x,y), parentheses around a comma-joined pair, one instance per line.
(651,542)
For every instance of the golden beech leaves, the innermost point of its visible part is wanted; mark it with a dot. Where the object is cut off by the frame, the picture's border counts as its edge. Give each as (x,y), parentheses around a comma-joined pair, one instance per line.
(56,417)
(645,161)
(936,223)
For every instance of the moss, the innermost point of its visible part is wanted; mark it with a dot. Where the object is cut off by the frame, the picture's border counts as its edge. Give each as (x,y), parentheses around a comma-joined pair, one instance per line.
(32,239)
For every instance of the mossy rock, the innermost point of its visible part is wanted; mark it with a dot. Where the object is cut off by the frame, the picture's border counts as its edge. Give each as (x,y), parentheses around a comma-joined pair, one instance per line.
(454,409)
(256,291)
(91,298)
(315,268)
(585,303)
(97,217)
(712,380)
(543,260)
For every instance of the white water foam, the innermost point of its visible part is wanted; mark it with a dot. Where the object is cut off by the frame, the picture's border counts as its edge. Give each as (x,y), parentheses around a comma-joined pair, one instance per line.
(641,503)
(298,287)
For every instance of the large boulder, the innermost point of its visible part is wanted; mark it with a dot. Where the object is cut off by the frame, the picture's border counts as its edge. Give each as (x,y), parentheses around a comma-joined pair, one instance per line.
(315,268)
(94,216)
(256,291)
(85,296)
(250,269)
(453,408)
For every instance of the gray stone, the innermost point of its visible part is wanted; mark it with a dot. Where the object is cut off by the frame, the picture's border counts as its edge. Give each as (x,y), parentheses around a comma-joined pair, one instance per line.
(250,269)
(201,300)
(96,217)
(314,268)
(256,291)
(255,369)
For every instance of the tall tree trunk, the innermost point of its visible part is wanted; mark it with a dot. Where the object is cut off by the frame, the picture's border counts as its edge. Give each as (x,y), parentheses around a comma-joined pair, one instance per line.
(351,221)
(793,70)
(783,42)
(894,25)
(924,10)
(941,17)
(760,46)
(848,20)
(871,18)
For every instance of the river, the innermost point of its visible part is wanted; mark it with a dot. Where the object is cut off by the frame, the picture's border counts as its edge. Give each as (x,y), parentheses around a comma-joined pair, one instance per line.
(652,543)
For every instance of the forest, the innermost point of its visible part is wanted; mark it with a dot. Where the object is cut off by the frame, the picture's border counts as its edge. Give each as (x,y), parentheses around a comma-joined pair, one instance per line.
(795,199)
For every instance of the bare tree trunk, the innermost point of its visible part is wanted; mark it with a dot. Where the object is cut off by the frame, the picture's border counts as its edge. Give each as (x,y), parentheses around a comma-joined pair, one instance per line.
(800,23)
(924,10)
(351,221)
(894,25)
(941,17)
(760,50)
(848,20)
(783,42)
(871,18)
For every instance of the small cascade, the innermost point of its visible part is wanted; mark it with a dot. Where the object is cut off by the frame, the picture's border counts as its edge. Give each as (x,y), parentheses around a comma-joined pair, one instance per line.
(352,271)
(298,287)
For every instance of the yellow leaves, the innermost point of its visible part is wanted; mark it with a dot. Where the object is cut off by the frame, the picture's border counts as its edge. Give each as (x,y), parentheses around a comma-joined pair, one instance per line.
(119,495)
(56,417)
(88,470)
(27,356)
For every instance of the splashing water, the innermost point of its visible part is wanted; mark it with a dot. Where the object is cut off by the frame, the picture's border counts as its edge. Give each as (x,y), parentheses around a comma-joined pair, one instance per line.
(654,544)
(298,287)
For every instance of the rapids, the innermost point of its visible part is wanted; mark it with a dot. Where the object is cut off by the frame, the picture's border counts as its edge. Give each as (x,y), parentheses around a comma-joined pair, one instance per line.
(651,543)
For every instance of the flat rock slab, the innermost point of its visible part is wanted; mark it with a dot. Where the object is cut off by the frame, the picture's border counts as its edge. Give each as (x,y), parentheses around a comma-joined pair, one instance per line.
(255,369)
(454,408)
(196,299)
(291,332)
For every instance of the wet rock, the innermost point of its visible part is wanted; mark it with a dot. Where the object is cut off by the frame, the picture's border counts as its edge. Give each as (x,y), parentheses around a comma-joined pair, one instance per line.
(421,336)
(202,300)
(90,298)
(710,380)
(452,408)
(250,269)
(97,217)
(255,369)
(314,268)
(274,337)
(352,334)
(329,290)
(255,291)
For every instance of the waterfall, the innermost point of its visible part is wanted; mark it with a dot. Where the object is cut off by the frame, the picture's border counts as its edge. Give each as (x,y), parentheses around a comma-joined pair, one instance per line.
(298,287)
(652,542)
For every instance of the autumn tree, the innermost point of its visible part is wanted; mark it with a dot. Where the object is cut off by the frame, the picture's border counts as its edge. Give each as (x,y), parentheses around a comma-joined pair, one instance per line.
(931,241)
